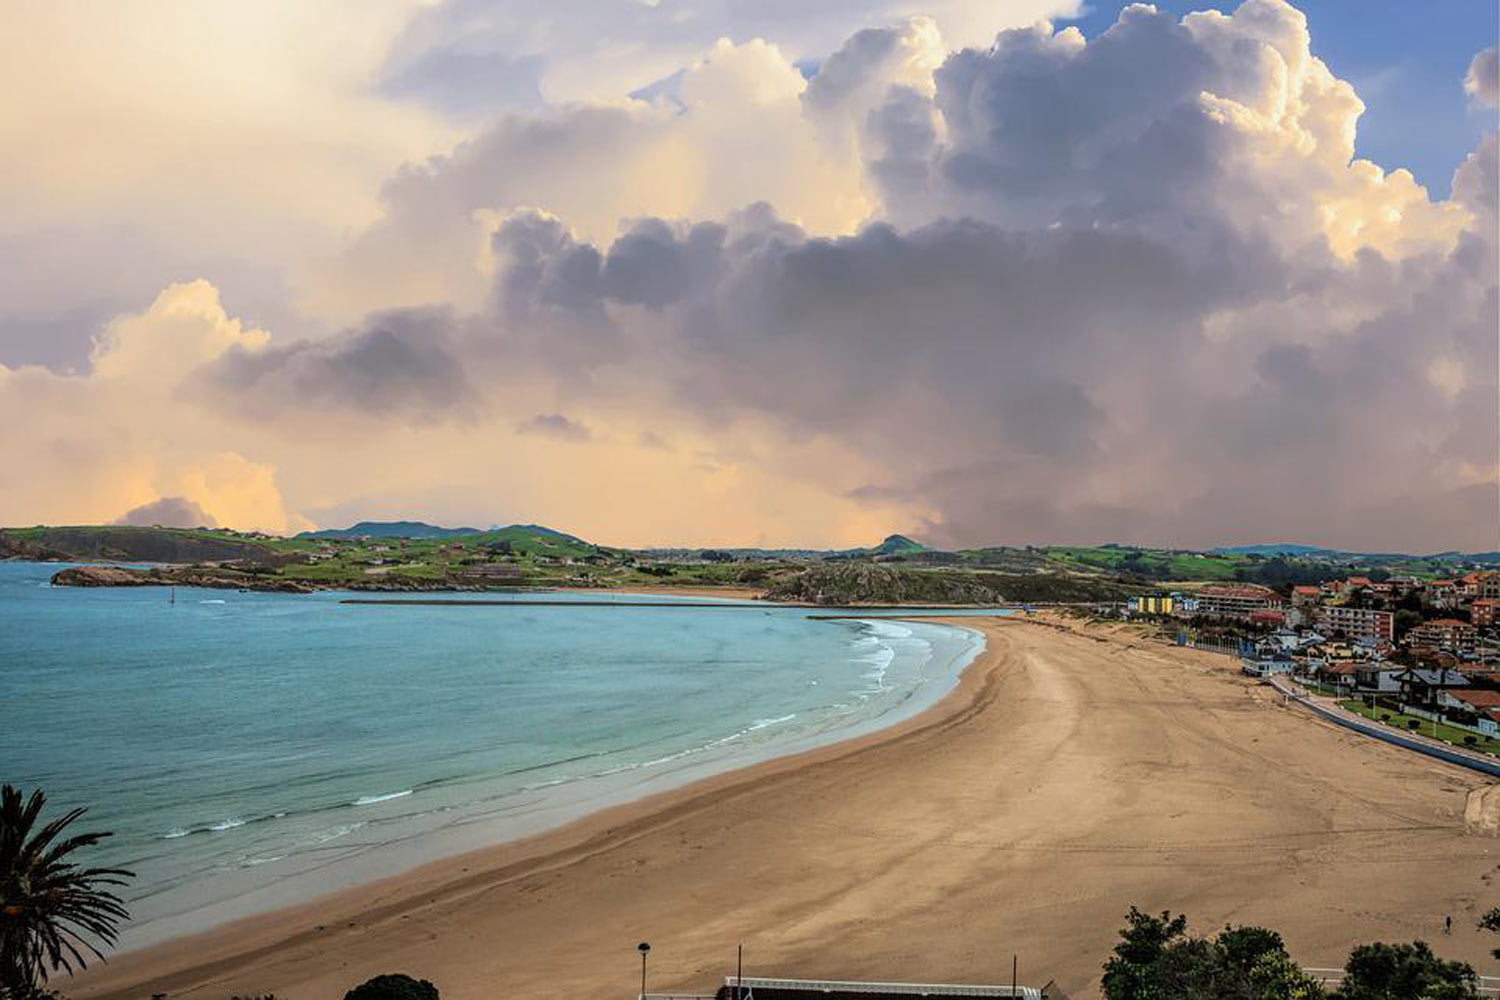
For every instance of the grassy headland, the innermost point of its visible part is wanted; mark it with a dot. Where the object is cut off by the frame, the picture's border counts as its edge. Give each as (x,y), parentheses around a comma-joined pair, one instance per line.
(400,556)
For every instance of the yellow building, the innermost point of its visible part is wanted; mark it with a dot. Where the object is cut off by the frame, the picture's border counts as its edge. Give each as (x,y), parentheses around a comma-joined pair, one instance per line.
(1156,605)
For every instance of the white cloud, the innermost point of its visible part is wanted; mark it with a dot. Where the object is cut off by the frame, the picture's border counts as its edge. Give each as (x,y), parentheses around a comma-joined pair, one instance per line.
(1135,287)
(1482,82)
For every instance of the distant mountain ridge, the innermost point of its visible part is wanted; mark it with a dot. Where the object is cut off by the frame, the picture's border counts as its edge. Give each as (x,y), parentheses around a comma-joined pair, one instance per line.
(390,529)
(1281,549)
(1319,552)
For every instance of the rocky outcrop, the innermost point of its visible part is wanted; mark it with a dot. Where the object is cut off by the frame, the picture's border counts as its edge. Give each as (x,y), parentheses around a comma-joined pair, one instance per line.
(129,544)
(854,583)
(176,576)
(871,583)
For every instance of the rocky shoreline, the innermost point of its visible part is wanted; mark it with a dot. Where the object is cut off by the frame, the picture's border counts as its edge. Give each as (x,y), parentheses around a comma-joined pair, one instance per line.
(175,576)
(228,578)
(232,578)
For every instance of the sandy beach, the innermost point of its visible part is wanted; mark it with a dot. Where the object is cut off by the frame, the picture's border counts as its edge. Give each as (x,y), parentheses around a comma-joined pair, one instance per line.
(1072,774)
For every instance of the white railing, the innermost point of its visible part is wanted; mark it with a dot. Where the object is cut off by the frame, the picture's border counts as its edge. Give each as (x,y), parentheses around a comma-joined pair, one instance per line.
(749,983)
(1489,986)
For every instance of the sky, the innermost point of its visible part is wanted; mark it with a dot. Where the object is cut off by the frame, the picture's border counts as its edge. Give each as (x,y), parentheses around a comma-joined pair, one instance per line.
(756,272)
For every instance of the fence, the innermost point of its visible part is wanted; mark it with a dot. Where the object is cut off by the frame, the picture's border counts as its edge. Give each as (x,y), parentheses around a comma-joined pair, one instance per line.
(1471,760)
(1489,986)
(749,986)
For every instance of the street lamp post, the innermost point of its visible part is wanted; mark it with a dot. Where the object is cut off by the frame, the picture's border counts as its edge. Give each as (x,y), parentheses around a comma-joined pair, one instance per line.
(644,948)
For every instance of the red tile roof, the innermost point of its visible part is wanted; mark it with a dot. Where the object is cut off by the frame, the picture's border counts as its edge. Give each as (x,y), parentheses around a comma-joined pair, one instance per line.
(1478,697)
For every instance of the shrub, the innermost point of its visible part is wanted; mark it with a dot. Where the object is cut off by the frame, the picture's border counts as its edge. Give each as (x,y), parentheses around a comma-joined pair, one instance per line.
(1469,741)
(1413,723)
(1385,717)
(393,987)
(1392,971)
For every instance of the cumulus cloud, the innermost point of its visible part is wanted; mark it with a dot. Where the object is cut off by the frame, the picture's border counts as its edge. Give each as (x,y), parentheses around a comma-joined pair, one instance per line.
(1482,82)
(169,512)
(735,133)
(235,141)
(1136,287)
(395,363)
(601,49)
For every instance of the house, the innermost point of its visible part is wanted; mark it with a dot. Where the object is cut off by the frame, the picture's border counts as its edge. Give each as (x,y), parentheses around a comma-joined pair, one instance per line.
(1447,634)
(1266,661)
(1284,639)
(1485,611)
(1484,584)
(1480,703)
(1443,593)
(1306,595)
(1359,623)
(1423,685)
(1339,674)
(1377,677)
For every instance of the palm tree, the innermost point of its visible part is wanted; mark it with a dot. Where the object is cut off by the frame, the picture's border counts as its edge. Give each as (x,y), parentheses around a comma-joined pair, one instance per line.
(49,906)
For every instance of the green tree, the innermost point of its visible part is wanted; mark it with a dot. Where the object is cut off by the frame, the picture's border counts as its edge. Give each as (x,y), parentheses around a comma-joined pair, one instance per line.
(52,910)
(393,987)
(1131,973)
(1405,972)
(1274,976)
(1156,959)
(1405,621)
(1491,922)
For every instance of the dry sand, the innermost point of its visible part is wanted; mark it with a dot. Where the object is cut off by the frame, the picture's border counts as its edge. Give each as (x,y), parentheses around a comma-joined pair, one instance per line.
(1071,775)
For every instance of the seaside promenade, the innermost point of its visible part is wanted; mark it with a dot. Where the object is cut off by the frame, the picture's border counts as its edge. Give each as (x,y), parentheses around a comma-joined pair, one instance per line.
(1074,773)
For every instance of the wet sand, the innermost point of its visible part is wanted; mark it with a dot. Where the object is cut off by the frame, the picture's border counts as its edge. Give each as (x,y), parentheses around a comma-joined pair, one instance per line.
(1072,774)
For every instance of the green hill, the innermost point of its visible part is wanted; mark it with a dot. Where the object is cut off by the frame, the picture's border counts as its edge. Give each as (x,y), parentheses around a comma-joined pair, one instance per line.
(533,539)
(897,545)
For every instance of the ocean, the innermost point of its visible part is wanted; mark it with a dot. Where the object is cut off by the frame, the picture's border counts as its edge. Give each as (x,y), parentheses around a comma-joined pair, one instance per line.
(251,750)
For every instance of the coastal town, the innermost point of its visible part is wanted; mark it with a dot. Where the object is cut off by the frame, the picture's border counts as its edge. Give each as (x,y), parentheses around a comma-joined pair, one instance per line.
(1412,653)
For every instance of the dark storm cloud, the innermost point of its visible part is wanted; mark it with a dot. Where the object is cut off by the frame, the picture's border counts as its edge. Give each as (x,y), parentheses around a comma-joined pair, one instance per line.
(398,363)
(555,425)
(169,512)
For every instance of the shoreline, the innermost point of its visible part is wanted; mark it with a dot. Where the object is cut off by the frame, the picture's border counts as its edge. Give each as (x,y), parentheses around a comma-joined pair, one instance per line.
(598,829)
(436,835)
(1020,808)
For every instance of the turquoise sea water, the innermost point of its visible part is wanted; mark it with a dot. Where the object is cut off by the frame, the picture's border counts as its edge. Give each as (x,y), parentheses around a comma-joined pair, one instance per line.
(251,750)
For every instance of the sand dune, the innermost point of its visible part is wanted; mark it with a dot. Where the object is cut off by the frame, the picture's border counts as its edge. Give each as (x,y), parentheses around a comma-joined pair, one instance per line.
(1070,776)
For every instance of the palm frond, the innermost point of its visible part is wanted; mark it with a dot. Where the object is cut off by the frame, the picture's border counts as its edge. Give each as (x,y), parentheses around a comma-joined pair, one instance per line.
(54,913)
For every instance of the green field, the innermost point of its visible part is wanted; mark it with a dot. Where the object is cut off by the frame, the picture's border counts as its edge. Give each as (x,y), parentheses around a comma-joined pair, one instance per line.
(1158,564)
